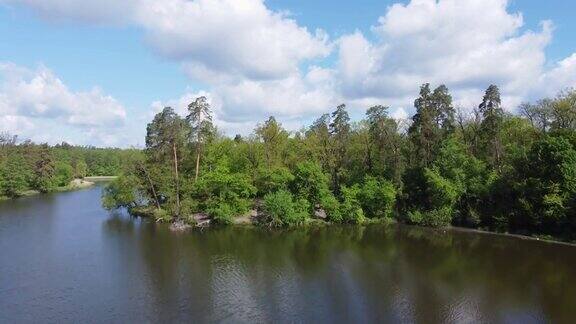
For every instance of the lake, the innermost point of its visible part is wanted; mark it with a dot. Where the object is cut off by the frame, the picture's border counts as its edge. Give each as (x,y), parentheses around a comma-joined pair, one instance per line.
(63,259)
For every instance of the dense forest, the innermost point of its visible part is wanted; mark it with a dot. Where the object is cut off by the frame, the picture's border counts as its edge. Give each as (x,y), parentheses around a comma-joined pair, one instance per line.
(479,167)
(26,166)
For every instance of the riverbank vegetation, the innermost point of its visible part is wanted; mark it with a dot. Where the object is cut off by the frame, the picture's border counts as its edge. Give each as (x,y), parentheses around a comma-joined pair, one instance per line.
(27,168)
(477,167)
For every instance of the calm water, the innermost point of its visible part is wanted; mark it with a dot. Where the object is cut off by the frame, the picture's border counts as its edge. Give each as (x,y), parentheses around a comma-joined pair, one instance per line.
(64,259)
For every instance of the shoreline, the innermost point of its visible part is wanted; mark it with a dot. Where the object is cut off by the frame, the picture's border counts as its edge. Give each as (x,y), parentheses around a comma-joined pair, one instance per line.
(512,235)
(75,184)
(241,221)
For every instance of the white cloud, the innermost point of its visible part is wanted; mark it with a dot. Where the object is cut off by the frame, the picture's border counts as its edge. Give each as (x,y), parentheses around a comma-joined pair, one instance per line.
(464,44)
(28,96)
(562,75)
(294,96)
(40,93)
(254,62)
(217,38)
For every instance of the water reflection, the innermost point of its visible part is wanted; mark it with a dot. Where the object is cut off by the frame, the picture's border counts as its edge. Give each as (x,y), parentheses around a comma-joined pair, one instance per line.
(353,274)
(64,259)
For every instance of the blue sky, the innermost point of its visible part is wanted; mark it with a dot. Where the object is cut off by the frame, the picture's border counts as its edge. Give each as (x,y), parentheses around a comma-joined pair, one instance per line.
(82,72)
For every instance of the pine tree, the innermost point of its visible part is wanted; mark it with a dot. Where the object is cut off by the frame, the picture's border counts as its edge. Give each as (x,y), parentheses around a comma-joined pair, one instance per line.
(202,130)
(340,134)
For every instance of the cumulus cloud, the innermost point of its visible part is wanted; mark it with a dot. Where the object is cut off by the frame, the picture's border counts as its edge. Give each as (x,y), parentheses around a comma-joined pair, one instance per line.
(464,44)
(562,75)
(216,38)
(40,93)
(254,62)
(28,96)
(246,55)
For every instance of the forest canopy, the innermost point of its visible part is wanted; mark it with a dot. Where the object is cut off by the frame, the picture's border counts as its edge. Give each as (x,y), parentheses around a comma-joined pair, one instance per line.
(27,166)
(478,167)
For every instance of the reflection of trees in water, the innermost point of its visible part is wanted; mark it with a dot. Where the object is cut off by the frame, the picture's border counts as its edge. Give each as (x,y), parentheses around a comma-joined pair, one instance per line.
(496,275)
(347,273)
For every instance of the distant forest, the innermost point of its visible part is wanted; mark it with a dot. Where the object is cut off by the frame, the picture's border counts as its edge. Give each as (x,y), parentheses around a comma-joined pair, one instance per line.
(27,166)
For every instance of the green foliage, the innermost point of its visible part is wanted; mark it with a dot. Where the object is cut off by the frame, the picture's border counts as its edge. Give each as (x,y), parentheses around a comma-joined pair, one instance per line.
(377,197)
(350,209)
(273,179)
(63,174)
(120,193)
(432,218)
(14,176)
(281,209)
(312,184)
(220,186)
(221,212)
(162,216)
(44,171)
(544,185)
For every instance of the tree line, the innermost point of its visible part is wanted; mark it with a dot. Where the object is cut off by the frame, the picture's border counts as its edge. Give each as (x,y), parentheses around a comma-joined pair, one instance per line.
(479,168)
(28,166)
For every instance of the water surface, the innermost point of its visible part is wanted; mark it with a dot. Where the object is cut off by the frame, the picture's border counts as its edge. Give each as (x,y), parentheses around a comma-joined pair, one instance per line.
(64,259)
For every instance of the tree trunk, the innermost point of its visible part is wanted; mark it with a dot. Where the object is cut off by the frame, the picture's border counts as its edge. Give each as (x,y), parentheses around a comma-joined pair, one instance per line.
(197,164)
(177,180)
(151,186)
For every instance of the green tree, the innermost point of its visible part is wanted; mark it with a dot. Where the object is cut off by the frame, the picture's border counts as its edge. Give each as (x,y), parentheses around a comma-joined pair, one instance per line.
(202,130)
(351,208)
(281,209)
(547,184)
(387,142)
(377,197)
(165,141)
(81,169)
(319,136)
(433,120)
(64,173)
(491,125)
(44,170)
(14,176)
(340,135)
(120,193)
(274,138)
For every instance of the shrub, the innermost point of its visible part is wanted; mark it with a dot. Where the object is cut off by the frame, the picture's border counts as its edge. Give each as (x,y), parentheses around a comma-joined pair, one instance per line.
(271,180)
(161,215)
(310,182)
(119,193)
(331,206)
(377,197)
(433,218)
(222,213)
(63,174)
(282,210)
(350,208)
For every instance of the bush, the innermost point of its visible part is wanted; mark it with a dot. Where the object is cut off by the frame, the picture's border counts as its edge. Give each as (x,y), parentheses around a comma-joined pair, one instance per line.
(220,187)
(350,208)
(377,197)
(331,206)
(222,213)
(119,193)
(161,215)
(310,182)
(64,174)
(432,218)
(282,210)
(271,180)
